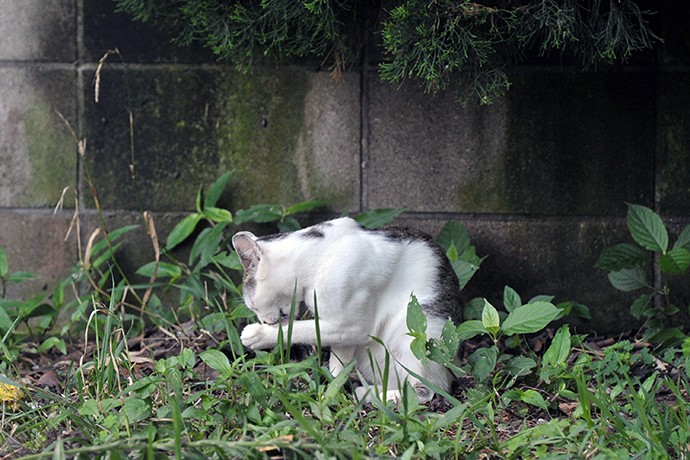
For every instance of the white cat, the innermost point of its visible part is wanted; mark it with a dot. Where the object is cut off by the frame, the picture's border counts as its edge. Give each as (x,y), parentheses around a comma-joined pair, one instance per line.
(362,280)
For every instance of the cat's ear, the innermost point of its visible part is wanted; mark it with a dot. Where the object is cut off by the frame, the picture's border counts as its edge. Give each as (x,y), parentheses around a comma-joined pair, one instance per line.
(247,248)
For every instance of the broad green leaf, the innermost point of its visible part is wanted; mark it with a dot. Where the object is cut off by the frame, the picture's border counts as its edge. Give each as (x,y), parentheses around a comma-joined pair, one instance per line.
(218,361)
(559,350)
(621,256)
(165,270)
(470,255)
(416,319)
(639,306)
(305,206)
(207,244)
(229,260)
(183,229)
(218,214)
(529,318)
(552,429)
(443,350)
(215,190)
(628,279)
(378,217)
(490,318)
(51,342)
(260,213)
(469,329)
(454,234)
(418,347)
(647,228)
(90,407)
(35,307)
(511,299)
(534,398)
(464,271)
(452,253)
(4,266)
(136,409)
(520,366)
(683,240)
(675,262)
(483,362)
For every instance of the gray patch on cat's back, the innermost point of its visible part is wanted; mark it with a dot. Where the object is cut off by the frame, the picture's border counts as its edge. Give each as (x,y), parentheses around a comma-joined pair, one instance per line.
(399,234)
(316,231)
(274,237)
(313,232)
(448,302)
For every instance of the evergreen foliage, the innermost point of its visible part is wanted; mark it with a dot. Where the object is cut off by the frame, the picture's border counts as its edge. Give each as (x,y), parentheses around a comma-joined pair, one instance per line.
(439,43)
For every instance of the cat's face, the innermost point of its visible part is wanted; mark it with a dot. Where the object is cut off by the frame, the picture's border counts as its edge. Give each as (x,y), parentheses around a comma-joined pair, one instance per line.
(263,294)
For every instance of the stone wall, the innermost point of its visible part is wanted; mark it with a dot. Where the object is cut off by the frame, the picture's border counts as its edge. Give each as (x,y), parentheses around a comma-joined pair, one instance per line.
(540,179)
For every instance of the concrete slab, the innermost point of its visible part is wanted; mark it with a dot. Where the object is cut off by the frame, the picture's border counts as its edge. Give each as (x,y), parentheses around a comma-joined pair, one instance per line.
(36,30)
(35,242)
(428,153)
(559,144)
(37,150)
(289,135)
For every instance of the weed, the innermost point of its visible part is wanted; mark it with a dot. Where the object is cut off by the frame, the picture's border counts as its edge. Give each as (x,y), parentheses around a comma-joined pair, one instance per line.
(146,381)
(628,270)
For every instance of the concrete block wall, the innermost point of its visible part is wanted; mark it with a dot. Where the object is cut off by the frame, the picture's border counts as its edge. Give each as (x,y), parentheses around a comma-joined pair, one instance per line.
(540,179)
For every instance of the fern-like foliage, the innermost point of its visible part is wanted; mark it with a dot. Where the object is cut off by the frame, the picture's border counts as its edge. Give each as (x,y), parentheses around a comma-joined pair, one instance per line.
(438,43)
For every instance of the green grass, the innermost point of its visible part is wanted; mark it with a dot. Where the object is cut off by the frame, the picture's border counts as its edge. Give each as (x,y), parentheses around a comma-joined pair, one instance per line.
(126,376)
(201,402)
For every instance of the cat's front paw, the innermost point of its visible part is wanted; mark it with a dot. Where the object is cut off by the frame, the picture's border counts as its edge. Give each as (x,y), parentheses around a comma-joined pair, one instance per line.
(259,336)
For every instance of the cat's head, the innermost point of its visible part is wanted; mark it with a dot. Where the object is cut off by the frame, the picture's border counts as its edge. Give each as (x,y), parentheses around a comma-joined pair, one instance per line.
(263,287)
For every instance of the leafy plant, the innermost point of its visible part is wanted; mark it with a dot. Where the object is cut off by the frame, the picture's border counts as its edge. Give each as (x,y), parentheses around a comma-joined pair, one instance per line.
(629,269)
(438,44)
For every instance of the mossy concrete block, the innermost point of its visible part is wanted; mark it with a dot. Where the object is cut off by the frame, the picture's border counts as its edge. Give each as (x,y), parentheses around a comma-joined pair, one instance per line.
(580,143)
(560,143)
(35,243)
(138,42)
(288,134)
(428,153)
(549,256)
(674,144)
(37,30)
(37,150)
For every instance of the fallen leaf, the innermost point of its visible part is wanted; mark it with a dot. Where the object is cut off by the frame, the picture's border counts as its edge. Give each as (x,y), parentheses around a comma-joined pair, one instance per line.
(10,395)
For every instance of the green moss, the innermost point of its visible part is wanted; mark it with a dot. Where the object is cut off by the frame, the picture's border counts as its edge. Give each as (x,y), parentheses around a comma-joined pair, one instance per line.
(258,135)
(192,125)
(52,156)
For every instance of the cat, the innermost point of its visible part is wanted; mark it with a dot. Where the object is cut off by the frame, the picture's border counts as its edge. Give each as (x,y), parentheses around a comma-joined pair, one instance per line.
(362,280)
